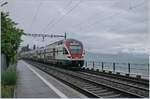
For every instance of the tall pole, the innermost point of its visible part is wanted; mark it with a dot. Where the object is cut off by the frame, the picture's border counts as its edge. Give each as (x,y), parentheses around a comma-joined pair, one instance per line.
(65,36)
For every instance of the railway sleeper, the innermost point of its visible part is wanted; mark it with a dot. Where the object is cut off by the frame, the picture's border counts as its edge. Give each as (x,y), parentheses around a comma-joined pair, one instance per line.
(37,66)
(84,84)
(103,94)
(114,96)
(89,86)
(100,91)
(96,89)
(114,80)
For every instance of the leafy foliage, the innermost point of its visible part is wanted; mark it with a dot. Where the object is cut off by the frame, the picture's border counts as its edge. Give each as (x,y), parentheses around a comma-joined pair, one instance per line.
(9,76)
(10,37)
(7,91)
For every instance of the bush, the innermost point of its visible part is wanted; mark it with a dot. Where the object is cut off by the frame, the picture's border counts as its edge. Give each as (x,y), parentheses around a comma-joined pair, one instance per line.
(10,37)
(7,91)
(9,77)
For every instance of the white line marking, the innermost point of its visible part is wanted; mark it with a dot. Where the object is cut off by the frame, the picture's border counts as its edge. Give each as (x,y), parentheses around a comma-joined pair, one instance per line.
(46,82)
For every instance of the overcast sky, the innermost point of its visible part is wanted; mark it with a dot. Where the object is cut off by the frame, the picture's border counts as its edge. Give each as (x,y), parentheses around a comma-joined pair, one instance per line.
(104,26)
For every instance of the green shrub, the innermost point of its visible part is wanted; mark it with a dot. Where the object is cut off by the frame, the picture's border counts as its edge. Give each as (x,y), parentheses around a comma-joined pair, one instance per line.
(9,77)
(7,91)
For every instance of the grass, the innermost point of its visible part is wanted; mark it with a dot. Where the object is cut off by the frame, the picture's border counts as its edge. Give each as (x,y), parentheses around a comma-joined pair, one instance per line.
(7,91)
(9,79)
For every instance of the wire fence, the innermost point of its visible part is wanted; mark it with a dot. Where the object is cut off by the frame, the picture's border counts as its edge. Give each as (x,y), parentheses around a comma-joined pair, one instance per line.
(132,69)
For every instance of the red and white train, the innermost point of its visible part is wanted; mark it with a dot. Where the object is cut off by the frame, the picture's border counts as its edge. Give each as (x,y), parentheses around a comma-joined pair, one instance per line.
(69,53)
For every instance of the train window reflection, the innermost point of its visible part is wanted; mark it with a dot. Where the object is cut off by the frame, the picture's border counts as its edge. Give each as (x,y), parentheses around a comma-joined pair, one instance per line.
(75,51)
(65,51)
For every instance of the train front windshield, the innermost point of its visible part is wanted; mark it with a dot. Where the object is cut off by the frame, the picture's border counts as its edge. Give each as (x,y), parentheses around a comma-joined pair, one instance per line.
(76,49)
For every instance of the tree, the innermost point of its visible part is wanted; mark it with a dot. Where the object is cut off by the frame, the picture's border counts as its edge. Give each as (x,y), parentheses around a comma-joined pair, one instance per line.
(10,37)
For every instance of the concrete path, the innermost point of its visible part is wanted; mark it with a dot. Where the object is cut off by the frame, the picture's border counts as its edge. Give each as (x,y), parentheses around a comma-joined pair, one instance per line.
(34,83)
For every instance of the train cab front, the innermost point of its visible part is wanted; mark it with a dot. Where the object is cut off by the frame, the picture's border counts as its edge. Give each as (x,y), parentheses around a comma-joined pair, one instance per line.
(75,52)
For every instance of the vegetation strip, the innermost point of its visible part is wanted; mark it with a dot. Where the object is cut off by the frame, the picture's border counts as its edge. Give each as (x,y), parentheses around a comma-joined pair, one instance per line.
(9,79)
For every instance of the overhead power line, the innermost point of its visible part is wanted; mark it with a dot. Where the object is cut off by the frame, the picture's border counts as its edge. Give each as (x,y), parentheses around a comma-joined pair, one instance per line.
(105,18)
(45,35)
(68,4)
(51,21)
(57,21)
(35,15)
(116,14)
(135,6)
(4,4)
(1,1)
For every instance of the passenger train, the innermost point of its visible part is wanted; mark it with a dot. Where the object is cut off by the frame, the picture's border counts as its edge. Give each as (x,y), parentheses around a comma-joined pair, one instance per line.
(66,53)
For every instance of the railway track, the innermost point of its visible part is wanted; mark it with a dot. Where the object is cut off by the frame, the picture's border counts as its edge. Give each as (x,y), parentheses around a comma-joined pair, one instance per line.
(131,83)
(132,80)
(94,86)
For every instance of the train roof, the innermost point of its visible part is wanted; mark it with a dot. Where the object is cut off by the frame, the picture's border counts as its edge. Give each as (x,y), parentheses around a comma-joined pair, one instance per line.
(57,42)
(61,41)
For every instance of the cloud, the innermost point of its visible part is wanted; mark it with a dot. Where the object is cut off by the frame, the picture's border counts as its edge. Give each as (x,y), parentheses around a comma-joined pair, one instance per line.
(104,26)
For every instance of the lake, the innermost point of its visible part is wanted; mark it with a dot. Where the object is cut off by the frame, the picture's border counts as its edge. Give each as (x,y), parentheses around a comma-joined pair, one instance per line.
(139,63)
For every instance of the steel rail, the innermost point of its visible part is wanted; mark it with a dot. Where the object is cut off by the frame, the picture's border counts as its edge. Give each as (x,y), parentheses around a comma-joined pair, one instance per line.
(80,76)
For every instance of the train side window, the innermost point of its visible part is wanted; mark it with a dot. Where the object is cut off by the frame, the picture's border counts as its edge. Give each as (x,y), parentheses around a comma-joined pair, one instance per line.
(61,43)
(65,51)
(57,51)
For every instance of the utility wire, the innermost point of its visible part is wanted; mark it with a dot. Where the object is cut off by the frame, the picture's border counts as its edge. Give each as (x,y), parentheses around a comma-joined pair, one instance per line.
(68,4)
(105,18)
(1,1)
(51,21)
(118,13)
(56,22)
(35,16)
(132,7)
(128,26)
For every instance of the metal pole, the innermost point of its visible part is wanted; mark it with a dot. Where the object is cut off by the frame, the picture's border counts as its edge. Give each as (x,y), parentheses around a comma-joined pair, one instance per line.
(113,67)
(148,68)
(93,64)
(128,68)
(102,65)
(65,36)
(86,64)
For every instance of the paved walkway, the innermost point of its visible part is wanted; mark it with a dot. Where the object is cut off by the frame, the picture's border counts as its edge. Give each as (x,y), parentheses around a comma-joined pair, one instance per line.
(34,83)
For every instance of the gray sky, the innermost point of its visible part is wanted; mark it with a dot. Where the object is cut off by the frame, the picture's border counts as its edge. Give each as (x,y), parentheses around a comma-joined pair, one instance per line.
(104,26)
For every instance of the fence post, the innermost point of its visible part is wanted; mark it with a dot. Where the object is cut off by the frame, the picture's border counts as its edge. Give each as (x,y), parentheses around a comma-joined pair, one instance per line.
(128,68)
(148,66)
(86,64)
(113,67)
(93,64)
(102,66)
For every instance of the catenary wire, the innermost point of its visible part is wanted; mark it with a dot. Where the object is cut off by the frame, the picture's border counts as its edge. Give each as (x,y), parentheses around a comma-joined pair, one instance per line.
(52,20)
(35,16)
(130,8)
(57,21)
